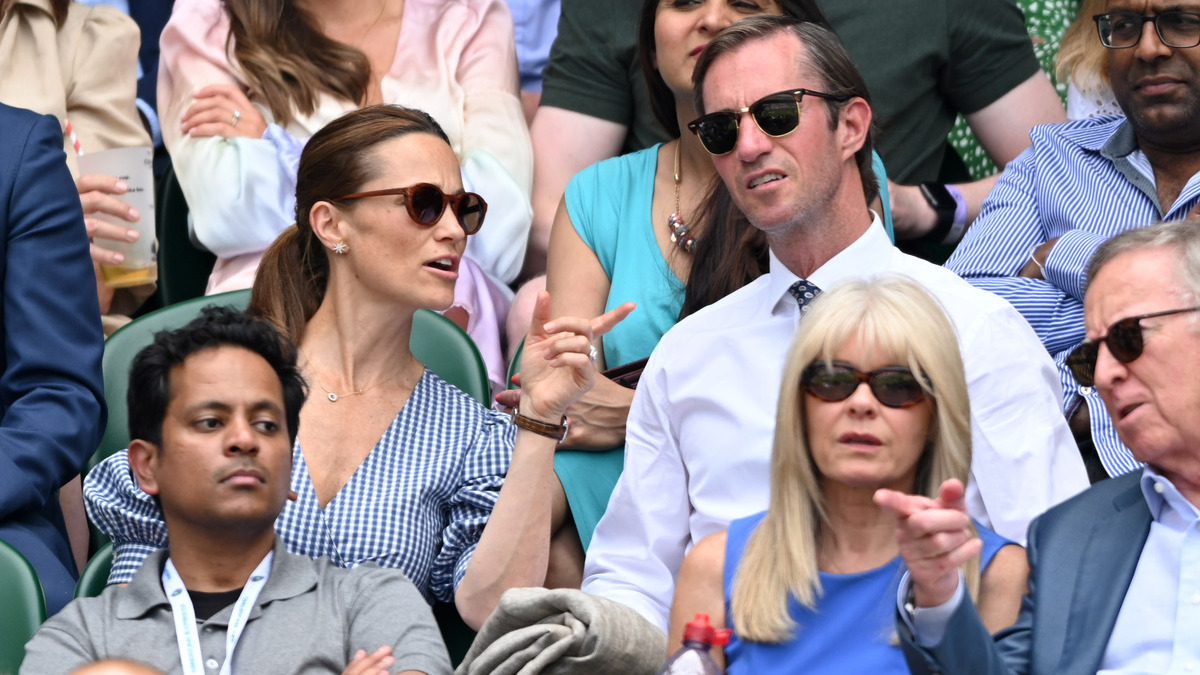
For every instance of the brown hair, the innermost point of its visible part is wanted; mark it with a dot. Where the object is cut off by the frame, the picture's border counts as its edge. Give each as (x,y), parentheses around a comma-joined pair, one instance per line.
(732,252)
(336,161)
(824,56)
(288,61)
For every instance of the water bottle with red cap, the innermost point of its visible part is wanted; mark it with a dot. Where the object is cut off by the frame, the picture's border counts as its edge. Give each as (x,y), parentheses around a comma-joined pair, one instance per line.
(694,657)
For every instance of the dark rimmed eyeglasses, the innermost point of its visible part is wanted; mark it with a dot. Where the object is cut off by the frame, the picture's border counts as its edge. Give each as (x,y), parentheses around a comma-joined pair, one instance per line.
(1176,29)
(893,386)
(426,203)
(776,114)
(1124,340)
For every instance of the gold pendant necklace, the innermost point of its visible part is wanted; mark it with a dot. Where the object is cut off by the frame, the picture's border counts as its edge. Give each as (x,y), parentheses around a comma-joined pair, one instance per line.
(681,234)
(333,397)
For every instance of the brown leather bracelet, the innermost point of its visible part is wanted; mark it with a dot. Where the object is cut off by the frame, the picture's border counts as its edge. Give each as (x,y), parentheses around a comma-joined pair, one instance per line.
(556,431)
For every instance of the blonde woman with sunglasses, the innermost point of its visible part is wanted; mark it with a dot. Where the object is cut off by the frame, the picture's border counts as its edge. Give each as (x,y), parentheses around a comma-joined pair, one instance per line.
(873,397)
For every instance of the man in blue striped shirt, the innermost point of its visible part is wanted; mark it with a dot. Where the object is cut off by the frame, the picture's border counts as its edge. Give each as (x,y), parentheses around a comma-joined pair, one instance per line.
(1083,182)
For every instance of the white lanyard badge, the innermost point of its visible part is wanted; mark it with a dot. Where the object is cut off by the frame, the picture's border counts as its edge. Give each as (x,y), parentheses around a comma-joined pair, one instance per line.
(185,616)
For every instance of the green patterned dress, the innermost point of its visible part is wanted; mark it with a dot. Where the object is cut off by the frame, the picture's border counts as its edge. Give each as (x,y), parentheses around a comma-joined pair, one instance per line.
(1046,21)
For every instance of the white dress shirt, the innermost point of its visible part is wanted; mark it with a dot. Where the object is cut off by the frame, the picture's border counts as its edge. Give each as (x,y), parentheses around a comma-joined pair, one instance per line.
(703,419)
(1155,631)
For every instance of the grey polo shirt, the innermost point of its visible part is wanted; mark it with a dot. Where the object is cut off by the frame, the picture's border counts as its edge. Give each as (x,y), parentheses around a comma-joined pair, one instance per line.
(311,617)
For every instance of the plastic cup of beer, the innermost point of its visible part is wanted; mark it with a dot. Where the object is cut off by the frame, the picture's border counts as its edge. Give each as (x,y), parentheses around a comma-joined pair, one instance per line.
(135,166)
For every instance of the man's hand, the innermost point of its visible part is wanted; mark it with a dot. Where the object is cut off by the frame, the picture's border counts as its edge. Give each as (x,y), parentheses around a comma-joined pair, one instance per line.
(935,539)
(375,663)
(1035,270)
(912,216)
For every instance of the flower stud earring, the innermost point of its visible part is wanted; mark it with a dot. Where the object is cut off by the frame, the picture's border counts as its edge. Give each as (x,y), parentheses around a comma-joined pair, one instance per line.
(340,248)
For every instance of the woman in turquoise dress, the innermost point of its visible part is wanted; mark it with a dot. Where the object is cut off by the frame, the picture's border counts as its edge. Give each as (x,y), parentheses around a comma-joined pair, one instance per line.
(810,585)
(627,230)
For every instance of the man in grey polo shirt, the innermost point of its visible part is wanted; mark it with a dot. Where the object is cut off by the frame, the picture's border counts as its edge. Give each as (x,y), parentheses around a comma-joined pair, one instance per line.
(214,408)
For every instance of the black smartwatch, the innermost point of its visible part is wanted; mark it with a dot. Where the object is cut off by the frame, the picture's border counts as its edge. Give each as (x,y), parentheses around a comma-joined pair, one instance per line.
(945,206)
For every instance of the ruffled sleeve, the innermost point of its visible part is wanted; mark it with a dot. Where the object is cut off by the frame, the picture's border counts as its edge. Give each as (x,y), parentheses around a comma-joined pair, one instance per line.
(496,152)
(484,467)
(129,517)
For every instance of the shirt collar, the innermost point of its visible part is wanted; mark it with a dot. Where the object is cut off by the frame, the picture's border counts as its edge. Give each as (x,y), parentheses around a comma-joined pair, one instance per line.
(43,5)
(1167,505)
(871,251)
(291,575)
(1121,143)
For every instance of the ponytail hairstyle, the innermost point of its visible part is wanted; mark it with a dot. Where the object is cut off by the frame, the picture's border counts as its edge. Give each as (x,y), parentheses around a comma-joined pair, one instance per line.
(288,62)
(337,160)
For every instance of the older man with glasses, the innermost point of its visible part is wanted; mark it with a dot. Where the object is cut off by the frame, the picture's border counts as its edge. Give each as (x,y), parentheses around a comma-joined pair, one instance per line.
(1114,582)
(1083,182)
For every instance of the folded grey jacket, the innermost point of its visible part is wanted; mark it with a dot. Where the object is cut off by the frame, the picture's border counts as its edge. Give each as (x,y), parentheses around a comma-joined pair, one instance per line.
(564,632)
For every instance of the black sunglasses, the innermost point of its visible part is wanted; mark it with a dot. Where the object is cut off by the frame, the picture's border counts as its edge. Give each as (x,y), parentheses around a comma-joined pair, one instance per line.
(1125,342)
(426,203)
(777,115)
(1121,30)
(893,386)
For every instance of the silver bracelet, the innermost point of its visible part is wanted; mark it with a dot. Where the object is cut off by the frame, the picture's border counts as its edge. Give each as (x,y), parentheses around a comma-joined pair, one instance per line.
(1034,260)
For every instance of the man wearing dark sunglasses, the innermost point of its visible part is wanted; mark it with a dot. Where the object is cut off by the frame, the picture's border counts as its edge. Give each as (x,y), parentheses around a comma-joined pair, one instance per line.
(1112,575)
(1083,182)
(788,121)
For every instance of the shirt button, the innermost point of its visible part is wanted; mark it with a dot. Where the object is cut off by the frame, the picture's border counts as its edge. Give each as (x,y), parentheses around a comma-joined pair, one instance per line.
(211,664)
(1085,390)
(1158,487)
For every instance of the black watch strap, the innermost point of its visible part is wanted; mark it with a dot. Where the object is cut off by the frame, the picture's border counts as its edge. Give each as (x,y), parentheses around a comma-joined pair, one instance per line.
(944,206)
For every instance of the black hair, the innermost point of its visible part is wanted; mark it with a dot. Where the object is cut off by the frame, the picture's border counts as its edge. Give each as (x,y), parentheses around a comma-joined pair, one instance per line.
(662,101)
(149,391)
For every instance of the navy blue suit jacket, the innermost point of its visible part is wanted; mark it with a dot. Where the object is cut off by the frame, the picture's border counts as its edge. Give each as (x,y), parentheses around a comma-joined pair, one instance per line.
(1082,556)
(51,389)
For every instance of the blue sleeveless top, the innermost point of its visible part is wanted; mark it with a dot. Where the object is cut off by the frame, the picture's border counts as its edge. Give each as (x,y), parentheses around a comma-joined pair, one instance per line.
(851,631)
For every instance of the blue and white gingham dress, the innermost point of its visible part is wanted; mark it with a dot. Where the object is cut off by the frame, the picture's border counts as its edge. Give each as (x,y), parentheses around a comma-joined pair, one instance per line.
(417,503)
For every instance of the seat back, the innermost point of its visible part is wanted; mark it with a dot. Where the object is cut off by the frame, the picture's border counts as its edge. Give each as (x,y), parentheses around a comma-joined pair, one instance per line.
(446,350)
(94,577)
(183,269)
(22,607)
(514,366)
(122,346)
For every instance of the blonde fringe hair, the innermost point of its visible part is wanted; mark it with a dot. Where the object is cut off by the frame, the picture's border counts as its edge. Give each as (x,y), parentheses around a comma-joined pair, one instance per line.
(1080,56)
(896,316)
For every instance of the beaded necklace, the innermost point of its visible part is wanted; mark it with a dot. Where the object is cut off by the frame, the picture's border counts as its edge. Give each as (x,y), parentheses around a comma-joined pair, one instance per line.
(681,234)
